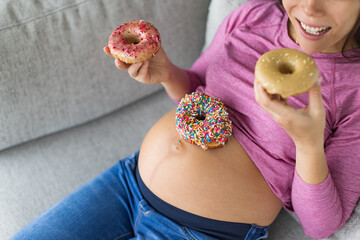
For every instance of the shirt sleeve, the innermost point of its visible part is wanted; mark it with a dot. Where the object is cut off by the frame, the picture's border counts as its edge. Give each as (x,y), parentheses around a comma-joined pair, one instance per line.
(323,208)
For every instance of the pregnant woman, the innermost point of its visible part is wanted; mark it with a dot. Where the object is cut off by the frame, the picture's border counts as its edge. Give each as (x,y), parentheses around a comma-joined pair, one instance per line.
(300,152)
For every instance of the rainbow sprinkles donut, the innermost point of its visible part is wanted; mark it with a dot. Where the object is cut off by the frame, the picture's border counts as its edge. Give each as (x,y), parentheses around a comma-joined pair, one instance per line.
(203,120)
(134,42)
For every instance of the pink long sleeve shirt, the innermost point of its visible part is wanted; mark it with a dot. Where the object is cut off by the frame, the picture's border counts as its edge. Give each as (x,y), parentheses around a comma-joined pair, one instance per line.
(226,70)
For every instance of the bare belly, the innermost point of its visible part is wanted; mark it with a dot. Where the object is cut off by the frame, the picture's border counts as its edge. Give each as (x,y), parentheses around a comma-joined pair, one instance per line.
(222,184)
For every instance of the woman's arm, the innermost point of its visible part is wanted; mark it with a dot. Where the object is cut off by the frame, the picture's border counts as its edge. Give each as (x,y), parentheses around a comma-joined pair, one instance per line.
(322,199)
(178,83)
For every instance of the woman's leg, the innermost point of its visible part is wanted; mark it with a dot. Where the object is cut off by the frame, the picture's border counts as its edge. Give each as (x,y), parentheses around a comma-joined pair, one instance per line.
(104,208)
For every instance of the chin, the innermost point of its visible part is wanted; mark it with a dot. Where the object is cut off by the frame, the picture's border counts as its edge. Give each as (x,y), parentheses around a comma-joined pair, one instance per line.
(311,49)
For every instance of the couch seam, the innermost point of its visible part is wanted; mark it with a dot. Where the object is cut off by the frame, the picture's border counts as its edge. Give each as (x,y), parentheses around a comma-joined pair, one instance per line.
(77,125)
(232,3)
(44,15)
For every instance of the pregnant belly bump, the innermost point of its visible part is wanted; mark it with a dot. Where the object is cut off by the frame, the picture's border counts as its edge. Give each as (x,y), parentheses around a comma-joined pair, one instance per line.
(205,183)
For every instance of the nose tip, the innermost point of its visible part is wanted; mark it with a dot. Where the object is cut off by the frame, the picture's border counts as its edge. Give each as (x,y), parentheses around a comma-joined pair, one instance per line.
(312,8)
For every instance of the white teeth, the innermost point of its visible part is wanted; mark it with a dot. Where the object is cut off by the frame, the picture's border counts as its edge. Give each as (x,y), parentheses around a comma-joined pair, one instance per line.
(312,30)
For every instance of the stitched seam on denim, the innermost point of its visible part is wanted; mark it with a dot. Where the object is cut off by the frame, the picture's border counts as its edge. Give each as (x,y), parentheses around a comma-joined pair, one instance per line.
(139,216)
(247,235)
(142,208)
(188,234)
(125,234)
(44,15)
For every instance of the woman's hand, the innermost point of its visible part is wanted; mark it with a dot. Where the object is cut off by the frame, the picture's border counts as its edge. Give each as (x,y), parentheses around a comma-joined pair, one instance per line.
(155,70)
(304,125)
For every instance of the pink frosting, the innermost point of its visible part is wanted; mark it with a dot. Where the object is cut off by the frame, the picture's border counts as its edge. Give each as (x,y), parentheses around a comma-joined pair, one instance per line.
(134,41)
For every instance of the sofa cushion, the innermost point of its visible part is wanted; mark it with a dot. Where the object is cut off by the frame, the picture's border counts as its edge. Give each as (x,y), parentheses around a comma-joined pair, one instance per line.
(286,228)
(53,72)
(218,10)
(36,175)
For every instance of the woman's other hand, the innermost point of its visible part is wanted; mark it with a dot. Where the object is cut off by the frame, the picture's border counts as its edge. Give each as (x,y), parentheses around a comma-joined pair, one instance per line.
(304,125)
(155,70)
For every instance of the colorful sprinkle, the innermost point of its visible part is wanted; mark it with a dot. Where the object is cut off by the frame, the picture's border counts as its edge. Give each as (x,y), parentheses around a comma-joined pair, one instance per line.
(203,120)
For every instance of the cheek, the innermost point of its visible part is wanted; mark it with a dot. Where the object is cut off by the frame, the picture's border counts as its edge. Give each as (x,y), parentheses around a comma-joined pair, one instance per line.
(291,7)
(345,24)
(346,14)
(288,5)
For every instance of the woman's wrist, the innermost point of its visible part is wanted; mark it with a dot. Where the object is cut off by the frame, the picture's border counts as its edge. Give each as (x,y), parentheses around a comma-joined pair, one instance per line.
(311,163)
(177,85)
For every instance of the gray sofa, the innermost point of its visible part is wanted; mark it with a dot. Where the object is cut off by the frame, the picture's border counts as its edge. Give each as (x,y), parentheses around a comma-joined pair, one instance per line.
(67,113)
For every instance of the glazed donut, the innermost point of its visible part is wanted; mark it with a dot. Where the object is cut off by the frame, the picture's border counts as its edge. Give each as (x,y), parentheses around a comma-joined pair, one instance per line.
(286,71)
(134,42)
(203,120)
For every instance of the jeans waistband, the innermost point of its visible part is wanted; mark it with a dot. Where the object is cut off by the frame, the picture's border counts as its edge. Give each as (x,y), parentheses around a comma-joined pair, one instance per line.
(215,228)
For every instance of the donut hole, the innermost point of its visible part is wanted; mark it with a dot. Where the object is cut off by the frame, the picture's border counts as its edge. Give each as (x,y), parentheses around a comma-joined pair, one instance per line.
(199,116)
(131,39)
(286,68)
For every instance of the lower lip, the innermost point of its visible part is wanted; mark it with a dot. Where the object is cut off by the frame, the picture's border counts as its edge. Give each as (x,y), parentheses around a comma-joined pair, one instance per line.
(311,36)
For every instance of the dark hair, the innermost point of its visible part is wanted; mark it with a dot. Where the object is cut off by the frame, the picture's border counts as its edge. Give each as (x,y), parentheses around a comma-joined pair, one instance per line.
(355,35)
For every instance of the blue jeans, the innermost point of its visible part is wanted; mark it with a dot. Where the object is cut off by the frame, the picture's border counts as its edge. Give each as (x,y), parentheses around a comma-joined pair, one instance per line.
(111,207)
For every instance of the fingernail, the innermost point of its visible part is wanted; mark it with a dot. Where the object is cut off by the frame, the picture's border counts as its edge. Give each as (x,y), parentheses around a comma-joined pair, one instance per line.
(117,63)
(318,82)
(139,64)
(258,85)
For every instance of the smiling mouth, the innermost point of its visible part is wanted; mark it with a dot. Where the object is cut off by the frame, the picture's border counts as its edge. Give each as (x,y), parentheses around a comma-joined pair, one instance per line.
(314,30)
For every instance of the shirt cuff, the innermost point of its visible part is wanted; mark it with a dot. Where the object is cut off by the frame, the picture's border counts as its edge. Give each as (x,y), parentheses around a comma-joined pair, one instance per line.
(323,188)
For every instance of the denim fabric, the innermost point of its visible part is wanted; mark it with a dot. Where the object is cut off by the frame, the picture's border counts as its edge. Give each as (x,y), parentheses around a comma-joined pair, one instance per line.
(257,232)
(111,207)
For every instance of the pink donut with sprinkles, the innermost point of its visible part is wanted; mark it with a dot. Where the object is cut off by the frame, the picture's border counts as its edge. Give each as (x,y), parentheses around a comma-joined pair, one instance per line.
(134,42)
(203,120)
